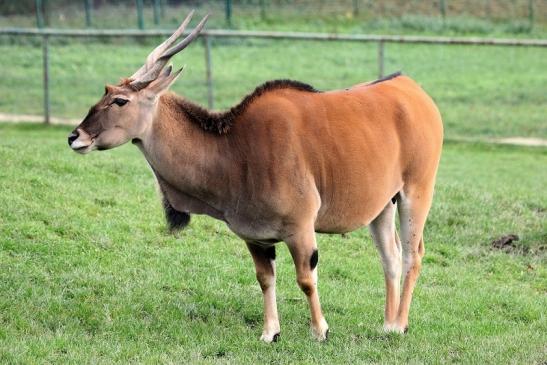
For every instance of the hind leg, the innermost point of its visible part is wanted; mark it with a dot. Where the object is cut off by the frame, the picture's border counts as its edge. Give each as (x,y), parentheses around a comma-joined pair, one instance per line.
(413,204)
(383,232)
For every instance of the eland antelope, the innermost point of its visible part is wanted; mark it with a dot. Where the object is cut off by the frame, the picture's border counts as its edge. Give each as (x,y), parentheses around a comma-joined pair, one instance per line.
(286,162)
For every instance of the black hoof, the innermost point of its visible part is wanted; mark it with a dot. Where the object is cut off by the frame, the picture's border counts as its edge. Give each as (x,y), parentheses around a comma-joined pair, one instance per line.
(327,335)
(275,337)
(406,329)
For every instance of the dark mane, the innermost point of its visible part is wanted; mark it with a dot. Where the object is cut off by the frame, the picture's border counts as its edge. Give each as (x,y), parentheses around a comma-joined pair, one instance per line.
(385,78)
(221,122)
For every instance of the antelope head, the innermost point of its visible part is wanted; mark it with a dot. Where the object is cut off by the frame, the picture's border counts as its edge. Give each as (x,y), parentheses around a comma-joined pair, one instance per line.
(126,111)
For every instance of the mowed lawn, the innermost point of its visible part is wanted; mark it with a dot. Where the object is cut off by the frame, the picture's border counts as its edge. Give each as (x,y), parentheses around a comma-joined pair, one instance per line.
(89,274)
(483,92)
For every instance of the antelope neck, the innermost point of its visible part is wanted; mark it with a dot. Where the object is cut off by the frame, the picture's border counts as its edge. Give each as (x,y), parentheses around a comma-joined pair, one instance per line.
(195,162)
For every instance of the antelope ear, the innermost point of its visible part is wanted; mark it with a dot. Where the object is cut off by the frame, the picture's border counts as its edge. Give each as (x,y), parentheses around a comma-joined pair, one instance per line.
(164,81)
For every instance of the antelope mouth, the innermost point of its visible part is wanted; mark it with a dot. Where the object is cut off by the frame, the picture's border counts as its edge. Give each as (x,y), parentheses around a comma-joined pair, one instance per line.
(81,147)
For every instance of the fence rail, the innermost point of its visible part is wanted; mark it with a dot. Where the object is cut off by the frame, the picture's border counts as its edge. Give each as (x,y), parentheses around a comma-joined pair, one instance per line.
(46,34)
(278,35)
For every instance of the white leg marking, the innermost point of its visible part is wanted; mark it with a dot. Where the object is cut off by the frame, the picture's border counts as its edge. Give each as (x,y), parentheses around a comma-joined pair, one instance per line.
(385,237)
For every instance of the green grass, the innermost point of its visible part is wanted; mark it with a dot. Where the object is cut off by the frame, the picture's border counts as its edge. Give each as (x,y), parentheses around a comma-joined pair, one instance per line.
(481,91)
(89,274)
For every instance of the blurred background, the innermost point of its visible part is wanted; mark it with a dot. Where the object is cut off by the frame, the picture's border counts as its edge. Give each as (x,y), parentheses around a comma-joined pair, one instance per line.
(483,91)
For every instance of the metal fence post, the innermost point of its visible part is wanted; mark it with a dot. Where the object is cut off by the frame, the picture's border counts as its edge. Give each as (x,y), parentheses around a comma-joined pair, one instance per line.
(157,7)
(140,17)
(262,9)
(45,64)
(87,5)
(380,59)
(229,12)
(39,16)
(208,71)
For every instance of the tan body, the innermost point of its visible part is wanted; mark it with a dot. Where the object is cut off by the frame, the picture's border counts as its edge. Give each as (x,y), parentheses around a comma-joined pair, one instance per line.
(335,158)
(285,163)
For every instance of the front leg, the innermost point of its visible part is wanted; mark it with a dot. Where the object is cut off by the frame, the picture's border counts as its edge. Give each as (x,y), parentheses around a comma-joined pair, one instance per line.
(305,255)
(264,259)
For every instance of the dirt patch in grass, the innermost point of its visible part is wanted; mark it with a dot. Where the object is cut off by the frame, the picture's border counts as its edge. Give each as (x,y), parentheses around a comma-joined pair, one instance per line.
(507,243)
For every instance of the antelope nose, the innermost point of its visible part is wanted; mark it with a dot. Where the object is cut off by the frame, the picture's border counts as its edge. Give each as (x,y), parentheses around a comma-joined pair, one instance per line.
(72,137)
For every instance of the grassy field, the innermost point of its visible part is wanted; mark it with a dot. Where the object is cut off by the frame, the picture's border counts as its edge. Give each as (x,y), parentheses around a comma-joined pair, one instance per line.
(481,91)
(88,273)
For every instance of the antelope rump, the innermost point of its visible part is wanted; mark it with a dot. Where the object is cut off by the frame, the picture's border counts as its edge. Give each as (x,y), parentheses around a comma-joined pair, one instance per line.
(285,163)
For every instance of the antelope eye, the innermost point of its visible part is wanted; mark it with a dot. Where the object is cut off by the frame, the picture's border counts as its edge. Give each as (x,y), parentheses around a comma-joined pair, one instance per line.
(120,101)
